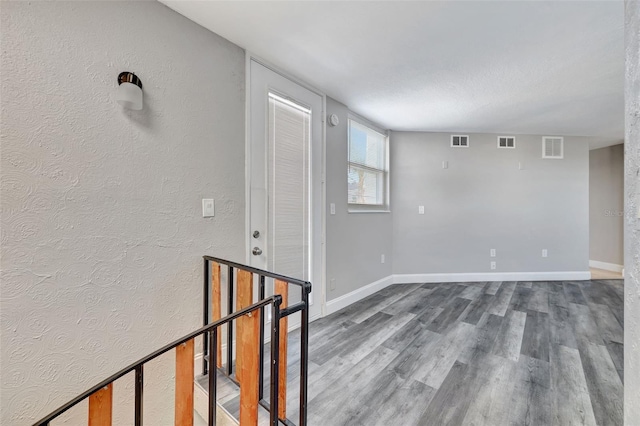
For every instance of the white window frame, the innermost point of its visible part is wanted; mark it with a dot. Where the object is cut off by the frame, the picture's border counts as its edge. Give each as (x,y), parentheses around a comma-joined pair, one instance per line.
(506,137)
(544,143)
(460,146)
(370,208)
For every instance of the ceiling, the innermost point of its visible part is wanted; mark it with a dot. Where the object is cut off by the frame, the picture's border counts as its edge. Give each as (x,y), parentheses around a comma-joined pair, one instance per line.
(512,67)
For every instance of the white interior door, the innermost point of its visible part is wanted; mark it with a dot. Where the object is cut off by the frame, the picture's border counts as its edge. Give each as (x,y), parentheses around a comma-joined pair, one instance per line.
(285,175)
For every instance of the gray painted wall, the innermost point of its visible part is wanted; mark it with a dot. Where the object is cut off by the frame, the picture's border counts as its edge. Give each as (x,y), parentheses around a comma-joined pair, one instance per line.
(632,216)
(483,201)
(102,230)
(355,241)
(606,204)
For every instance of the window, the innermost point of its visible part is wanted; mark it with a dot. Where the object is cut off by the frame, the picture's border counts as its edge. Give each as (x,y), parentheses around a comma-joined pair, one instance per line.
(368,168)
(506,141)
(553,147)
(459,141)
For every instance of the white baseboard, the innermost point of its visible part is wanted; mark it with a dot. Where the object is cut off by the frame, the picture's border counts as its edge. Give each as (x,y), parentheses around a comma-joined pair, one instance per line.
(606,266)
(359,294)
(492,276)
(349,298)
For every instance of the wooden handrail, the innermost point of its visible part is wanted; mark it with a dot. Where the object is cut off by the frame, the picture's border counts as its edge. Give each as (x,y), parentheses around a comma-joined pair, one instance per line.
(101,407)
(216,305)
(247,353)
(282,289)
(184,384)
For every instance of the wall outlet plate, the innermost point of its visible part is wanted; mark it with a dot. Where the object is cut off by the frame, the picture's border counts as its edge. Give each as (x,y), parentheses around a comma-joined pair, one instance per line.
(332,284)
(492,252)
(420,209)
(382,259)
(545,253)
(493,266)
(332,207)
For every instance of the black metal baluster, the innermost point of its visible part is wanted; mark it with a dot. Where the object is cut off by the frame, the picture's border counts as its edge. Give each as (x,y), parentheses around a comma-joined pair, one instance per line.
(205,315)
(138,394)
(230,324)
(261,377)
(275,360)
(304,354)
(212,377)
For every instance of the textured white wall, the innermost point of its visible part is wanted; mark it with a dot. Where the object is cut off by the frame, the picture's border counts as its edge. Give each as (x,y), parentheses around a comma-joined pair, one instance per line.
(101,208)
(632,221)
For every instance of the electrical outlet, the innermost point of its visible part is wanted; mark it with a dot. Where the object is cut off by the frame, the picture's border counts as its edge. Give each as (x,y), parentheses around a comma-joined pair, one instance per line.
(382,259)
(493,265)
(544,253)
(332,284)
(333,208)
(492,253)
(520,165)
(208,207)
(420,209)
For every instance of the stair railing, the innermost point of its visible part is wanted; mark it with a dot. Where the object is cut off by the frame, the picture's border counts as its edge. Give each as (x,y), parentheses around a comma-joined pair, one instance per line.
(240,277)
(249,319)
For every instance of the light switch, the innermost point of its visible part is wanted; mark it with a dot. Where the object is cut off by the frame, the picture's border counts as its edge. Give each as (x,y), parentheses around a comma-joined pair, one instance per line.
(208,207)
(333,208)
(420,209)
(445,164)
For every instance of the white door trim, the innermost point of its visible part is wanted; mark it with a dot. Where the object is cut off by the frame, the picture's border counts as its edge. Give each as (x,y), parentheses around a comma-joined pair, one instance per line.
(318,288)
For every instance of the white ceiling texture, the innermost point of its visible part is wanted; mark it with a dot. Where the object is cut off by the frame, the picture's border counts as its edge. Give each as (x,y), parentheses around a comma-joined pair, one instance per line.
(516,67)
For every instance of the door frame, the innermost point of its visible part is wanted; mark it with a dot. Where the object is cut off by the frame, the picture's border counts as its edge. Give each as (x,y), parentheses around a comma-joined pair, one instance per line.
(318,288)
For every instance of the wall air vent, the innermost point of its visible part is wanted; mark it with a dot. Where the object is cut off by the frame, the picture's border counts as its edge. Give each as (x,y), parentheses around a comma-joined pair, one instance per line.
(553,147)
(506,141)
(459,141)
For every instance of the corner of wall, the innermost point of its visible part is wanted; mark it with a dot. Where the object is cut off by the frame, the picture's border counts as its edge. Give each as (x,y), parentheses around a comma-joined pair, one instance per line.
(632,215)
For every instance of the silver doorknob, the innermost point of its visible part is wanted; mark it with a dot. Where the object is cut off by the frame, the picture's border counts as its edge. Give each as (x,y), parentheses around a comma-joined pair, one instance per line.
(256,251)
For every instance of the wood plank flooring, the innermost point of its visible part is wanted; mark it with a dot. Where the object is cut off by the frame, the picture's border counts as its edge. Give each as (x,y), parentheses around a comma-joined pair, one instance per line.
(601,274)
(494,353)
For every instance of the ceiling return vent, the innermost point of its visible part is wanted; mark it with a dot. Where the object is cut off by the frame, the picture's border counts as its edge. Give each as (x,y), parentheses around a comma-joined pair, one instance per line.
(459,141)
(553,147)
(506,141)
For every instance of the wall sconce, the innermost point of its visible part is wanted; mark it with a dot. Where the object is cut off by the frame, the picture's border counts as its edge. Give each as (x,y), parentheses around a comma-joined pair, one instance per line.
(129,93)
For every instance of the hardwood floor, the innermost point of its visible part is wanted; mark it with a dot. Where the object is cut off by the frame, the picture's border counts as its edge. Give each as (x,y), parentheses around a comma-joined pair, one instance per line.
(601,274)
(494,353)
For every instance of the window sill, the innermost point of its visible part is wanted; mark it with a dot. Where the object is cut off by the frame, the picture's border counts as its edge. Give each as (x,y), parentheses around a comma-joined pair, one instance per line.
(366,209)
